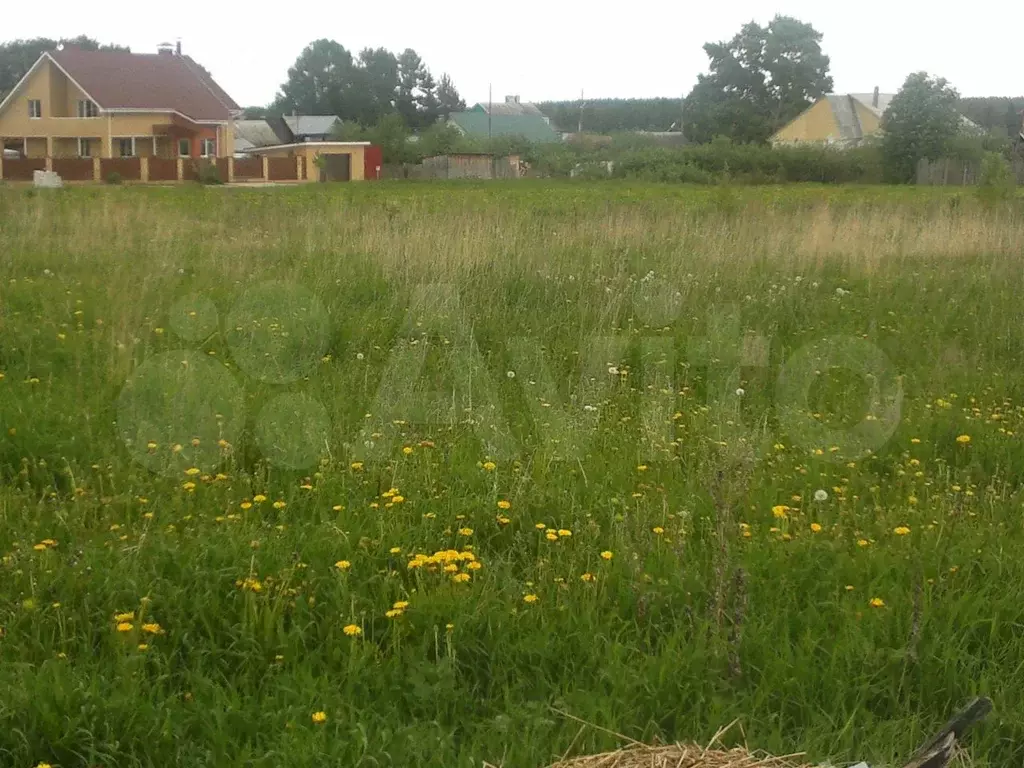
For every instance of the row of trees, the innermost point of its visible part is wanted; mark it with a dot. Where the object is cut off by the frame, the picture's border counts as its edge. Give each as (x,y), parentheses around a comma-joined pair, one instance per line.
(327,79)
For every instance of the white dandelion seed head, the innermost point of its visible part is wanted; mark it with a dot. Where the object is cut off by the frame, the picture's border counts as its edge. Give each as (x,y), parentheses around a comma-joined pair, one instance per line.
(821,495)
(510,374)
(741,392)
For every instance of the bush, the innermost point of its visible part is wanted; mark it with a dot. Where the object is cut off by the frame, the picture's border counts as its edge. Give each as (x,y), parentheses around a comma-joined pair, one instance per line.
(996,183)
(208,173)
(113,178)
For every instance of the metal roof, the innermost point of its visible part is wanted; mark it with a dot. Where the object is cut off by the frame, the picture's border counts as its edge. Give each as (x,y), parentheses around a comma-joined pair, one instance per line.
(255,133)
(531,127)
(305,125)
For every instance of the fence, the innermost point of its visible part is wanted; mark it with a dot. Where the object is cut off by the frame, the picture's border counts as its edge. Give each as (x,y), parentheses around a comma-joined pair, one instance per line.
(952,171)
(472,167)
(153,169)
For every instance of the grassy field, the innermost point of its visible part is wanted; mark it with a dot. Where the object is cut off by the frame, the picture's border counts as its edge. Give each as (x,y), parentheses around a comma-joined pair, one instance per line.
(414,475)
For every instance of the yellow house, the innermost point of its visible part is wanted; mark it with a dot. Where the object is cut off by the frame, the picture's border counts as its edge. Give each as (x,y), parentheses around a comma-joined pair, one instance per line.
(840,119)
(328,160)
(76,103)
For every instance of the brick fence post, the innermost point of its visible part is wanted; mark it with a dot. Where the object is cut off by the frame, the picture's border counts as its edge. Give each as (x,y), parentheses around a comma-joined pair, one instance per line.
(181,169)
(231,170)
(97,174)
(266,168)
(143,169)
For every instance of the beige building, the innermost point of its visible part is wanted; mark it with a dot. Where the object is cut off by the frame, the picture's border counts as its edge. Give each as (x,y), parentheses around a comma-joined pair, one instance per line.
(75,103)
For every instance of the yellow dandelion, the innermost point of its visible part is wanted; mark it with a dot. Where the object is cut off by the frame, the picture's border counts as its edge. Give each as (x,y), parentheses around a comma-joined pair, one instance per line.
(152,628)
(502,520)
(356,465)
(189,486)
(877,602)
(343,565)
(125,626)
(779,511)
(963,439)
(280,504)
(862,542)
(465,531)
(407,450)
(607,555)
(540,526)
(246,505)
(503,504)
(319,718)
(901,530)
(39,547)
(816,527)
(490,466)
(192,471)
(530,598)
(849,587)
(551,536)
(259,498)
(128,616)
(461,578)
(564,533)
(394,613)
(657,530)
(400,605)
(143,646)
(395,551)
(476,565)
(588,577)
(352,630)
(641,467)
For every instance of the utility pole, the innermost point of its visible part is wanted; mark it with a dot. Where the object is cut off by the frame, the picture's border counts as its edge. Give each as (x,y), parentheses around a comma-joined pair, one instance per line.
(579,128)
(490,106)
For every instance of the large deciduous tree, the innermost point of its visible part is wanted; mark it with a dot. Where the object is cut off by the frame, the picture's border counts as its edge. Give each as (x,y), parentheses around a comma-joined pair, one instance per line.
(321,82)
(920,123)
(758,81)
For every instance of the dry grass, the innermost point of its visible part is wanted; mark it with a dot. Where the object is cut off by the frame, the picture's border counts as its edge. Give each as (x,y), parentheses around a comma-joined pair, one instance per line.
(678,756)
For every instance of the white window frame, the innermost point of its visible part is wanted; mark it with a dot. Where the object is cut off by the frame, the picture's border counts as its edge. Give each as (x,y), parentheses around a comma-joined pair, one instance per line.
(88,108)
(185,154)
(35,109)
(120,145)
(87,144)
(204,147)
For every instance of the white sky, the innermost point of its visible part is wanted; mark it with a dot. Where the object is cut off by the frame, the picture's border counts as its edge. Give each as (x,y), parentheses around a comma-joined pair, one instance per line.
(542,49)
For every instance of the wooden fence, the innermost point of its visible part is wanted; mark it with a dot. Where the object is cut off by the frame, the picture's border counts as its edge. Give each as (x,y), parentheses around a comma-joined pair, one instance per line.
(959,173)
(153,169)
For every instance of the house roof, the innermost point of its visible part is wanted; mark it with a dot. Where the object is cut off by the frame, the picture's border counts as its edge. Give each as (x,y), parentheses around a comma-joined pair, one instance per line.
(117,80)
(305,125)
(531,127)
(255,133)
(508,107)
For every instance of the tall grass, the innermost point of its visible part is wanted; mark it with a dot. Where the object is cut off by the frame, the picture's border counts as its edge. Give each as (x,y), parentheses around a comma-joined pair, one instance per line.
(582,390)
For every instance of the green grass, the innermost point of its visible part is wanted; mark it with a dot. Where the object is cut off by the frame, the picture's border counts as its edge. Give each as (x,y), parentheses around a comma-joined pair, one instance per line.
(364,353)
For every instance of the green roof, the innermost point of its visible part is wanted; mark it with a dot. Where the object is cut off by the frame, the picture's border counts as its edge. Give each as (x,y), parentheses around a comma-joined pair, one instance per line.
(530,127)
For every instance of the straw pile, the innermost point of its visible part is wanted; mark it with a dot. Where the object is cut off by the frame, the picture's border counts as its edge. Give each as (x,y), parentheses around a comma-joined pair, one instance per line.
(679,756)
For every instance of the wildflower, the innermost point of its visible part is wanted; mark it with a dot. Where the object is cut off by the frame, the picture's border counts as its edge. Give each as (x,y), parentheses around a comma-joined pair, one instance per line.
(849,587)
(129,616)
(319,718)
(963,439)
(151,446)
(407,450)
(657,530)
(587,577)
(400,605)
(901,530)
(862,542)
(44,765)
(607,555)
(143,646)
(153,628)
(740,392)
(251,585)
(779,511)
(503,520)
(503,504)
(394,613)
(641,468)
(490,466)
(877,602)
(465,531)
(461,578)
(476,565)
(821,495)
(192,471)
(176,448)
(125,626)
(259,498)
(39,547)
(397,499)
(280,504)
(564,533)
(816,527)
(352,630)
(530,598)
(451,568)
(395,551)
(246,505)
(189,486)
(551,536)
(343,565)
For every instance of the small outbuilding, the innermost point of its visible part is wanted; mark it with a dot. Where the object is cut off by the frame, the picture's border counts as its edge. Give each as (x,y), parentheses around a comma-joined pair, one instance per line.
(328,160)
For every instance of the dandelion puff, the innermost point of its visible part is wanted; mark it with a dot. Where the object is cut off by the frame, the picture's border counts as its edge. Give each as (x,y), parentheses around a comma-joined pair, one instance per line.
(821,495)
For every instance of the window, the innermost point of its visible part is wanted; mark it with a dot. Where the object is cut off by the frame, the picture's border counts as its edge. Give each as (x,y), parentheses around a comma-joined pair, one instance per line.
(126,147)
(184,148)
(84,148)
(87,108)
(209,148)
(35,108)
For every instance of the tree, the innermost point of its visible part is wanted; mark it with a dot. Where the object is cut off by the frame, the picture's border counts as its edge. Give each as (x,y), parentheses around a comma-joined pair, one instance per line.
(18,56)
(321,82)
(378,85)
(921,122)
(448,98)
(410,74)
(758,81)
(429,108)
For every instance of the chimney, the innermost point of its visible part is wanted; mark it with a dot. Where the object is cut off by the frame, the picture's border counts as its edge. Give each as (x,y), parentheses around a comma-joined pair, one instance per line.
(510,99)
(164,49)
(874,99)
(177,47)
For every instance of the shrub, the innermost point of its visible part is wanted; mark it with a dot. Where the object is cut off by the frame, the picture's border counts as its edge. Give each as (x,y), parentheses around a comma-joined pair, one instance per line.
(113,178)
(996,183)
(208,173)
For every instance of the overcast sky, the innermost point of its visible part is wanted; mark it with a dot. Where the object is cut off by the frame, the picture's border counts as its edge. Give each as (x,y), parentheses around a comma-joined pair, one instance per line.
(543,50)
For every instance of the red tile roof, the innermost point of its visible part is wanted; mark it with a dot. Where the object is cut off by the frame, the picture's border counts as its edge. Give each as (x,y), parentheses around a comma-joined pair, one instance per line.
(118,80)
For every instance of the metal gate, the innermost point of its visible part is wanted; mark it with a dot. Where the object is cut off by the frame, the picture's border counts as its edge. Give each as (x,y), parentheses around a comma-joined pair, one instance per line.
(336,167)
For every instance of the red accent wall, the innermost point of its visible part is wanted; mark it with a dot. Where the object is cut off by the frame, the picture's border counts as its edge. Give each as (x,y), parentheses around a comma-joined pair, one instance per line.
(372,158)
(195,142)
